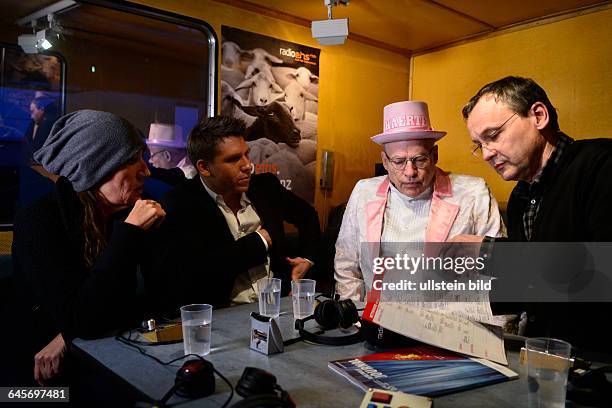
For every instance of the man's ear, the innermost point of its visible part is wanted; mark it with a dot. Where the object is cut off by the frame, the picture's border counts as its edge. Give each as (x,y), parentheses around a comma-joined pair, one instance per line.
(540,112)
(203,168)
(167,155)
(385,163)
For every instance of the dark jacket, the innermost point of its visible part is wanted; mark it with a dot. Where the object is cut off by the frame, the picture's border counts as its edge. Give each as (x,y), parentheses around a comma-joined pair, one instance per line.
(57,292)
(199,259)
(577,197)
(575,207)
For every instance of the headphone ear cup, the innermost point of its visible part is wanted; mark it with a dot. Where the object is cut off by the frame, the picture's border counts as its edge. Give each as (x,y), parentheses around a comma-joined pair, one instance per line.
(255,381)
(328,314)
(348,313)
(264,400)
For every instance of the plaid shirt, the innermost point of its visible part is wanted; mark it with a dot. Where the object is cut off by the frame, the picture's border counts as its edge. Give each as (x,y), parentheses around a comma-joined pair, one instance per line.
(533,191)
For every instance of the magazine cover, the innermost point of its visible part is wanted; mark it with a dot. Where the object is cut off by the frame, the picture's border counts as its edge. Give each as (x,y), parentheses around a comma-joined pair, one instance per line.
(421,370)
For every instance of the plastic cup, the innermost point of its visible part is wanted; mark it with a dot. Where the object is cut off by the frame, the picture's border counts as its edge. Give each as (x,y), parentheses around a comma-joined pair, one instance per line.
(303,294)
(196,321)
(547,369)
(269,290)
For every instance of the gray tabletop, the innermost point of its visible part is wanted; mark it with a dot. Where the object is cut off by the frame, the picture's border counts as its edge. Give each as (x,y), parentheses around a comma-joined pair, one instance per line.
(301,370)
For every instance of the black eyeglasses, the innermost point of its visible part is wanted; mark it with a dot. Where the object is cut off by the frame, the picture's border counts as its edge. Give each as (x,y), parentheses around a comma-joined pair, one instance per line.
(477,148)
(420,161)
(156,153)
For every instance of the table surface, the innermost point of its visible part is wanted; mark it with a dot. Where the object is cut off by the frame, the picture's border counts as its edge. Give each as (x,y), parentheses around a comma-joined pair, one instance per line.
(301,370)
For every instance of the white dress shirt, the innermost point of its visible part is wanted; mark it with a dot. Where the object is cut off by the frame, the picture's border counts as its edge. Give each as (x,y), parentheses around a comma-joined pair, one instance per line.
(240,224)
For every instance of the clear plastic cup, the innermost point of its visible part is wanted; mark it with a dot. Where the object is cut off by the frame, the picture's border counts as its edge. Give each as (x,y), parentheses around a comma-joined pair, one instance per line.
(196,321)
(269,290)
(547,369)
(303,294)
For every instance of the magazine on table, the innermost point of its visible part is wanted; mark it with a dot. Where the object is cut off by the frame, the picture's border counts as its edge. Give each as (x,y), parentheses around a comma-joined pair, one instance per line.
(421,370)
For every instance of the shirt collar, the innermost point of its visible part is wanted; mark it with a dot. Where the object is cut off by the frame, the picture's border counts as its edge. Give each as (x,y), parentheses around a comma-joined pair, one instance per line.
(244,200)
(562,142)
(524,188)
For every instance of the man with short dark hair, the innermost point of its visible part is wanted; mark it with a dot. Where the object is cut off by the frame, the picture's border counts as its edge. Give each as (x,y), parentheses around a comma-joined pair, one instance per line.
(564,190)
(225,229)
(563,193)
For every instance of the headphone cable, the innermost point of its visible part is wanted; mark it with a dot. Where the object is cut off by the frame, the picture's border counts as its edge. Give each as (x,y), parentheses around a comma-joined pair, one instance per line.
(134,343)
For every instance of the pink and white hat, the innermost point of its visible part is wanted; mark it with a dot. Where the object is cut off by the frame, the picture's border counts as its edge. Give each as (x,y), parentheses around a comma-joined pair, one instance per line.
(406,120)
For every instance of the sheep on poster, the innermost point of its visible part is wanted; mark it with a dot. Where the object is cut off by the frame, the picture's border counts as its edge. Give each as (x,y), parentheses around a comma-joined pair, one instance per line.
(273,86)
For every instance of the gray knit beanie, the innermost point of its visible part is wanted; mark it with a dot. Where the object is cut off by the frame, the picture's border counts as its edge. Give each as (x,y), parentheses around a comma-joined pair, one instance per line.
(86,146)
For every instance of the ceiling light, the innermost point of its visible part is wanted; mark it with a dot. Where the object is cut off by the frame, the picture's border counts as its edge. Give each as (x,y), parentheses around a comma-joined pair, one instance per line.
(27,42)
(42,39)
(331,31)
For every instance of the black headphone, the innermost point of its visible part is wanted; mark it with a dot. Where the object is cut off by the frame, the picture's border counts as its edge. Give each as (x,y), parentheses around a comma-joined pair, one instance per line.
(331,314)
(259,389)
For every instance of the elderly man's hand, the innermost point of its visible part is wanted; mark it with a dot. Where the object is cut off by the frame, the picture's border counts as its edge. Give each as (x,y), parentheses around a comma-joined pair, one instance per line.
(466,238)
(146,214)
(462,245)
(48,360)
(299,267)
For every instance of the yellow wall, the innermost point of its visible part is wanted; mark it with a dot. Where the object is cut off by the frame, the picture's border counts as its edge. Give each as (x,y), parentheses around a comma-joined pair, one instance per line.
(357,80)
(571,59)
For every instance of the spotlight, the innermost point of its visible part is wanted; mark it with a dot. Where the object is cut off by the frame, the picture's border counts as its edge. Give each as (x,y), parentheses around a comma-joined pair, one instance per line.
(33,43)
(27,42)
(331,31)
(42,39)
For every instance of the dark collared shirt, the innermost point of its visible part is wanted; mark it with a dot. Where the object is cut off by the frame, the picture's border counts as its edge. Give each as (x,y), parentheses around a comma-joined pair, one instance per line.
(534,190)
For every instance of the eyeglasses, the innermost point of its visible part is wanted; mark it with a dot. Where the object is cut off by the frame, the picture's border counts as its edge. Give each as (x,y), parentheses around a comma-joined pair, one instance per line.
(420,161)
(492,136)
(158,152)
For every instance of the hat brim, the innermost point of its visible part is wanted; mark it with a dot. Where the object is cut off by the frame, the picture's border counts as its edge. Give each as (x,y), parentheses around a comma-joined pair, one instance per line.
(383,138)
(166,144)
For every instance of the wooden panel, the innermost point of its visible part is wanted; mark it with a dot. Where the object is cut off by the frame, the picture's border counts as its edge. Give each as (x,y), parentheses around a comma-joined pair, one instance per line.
(401,26)
(503,13)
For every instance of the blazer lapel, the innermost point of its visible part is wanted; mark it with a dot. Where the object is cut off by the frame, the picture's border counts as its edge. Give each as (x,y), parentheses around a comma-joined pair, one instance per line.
(442,214)
(207,207)
(375,212)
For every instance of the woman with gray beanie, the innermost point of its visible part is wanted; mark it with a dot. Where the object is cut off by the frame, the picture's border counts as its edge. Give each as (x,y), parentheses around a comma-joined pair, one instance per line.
(76,251)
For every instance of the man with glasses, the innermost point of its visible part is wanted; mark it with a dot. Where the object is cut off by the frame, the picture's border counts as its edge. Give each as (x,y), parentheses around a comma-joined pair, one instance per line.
(564,189)
(563,193)
(168,150)
(416,202)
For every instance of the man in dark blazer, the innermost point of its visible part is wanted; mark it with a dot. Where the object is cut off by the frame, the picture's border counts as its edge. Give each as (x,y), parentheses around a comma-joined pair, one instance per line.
(563,194)
(224,228)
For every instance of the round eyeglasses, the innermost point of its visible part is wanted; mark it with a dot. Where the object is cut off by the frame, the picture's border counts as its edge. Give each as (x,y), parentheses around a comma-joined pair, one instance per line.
(420,161)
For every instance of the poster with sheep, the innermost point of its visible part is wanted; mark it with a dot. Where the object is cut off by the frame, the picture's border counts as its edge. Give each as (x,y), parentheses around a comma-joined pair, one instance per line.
(273,86)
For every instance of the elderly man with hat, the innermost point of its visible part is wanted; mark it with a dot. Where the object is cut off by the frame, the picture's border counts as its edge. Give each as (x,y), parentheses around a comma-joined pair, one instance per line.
(168,150)
(416,202)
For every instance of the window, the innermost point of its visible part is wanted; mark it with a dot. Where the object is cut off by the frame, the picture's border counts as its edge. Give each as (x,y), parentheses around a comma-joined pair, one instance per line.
(156,70)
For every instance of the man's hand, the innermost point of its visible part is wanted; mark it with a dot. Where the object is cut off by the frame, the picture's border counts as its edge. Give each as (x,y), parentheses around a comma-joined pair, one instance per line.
(466,238)
(145,214)
(48,360)
(299,267)
(265,236)
(462,245)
